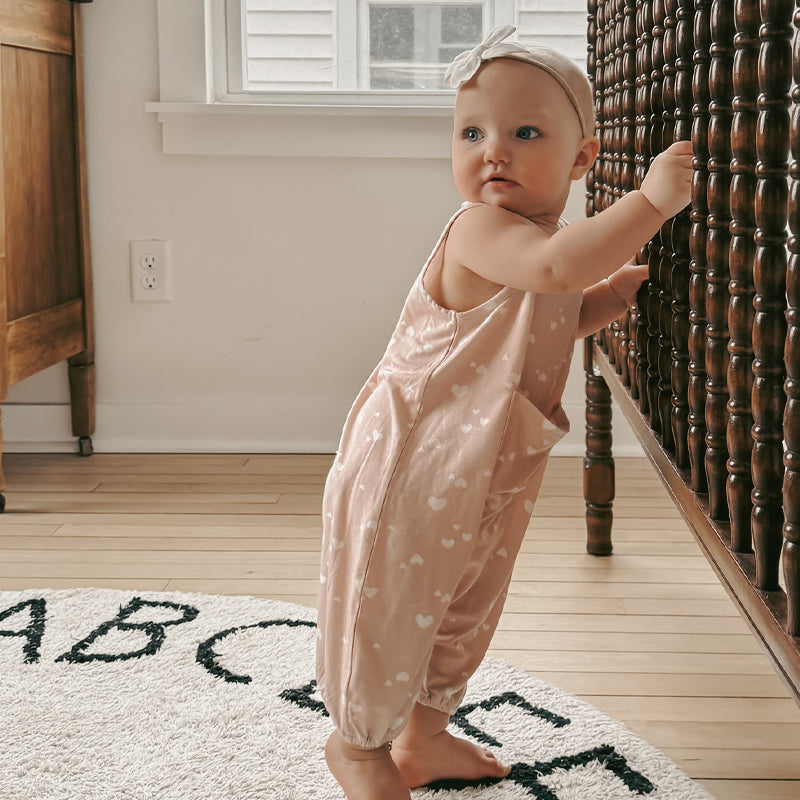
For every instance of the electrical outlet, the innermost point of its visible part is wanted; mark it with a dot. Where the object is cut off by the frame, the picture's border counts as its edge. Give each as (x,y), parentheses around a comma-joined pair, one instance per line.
(151,271)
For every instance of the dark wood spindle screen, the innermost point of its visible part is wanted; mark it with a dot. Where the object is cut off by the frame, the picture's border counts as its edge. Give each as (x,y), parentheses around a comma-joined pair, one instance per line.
(706,365)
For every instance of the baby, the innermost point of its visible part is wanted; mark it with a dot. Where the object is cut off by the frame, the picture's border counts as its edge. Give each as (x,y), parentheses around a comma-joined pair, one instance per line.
(442,454)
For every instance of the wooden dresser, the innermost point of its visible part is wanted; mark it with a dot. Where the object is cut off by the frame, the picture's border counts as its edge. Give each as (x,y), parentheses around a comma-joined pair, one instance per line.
(45,276)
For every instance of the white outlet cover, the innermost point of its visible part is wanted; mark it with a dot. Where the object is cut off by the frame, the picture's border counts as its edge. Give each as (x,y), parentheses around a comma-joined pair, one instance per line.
(151,270)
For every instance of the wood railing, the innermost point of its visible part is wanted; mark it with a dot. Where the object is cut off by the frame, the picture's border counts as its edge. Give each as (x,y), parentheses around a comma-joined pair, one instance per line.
(706,365)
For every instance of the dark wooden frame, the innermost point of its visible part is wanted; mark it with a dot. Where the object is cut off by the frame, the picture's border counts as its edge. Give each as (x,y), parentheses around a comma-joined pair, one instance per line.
(706,366)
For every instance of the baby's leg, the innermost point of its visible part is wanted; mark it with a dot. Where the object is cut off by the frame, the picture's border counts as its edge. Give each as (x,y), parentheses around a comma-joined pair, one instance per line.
(425,752)
(364,774)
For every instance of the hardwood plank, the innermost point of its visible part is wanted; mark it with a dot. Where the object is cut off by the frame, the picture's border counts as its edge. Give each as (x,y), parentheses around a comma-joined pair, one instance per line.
(663,684)
(266,529)
(129,502)
(603,641)
(138,584)
(750,790)
(620,563)
(57,516)
(159,544)
(579,620)
(594,589)
(720,763)
(675,606)
(537,544)
(682,663)
(698,709)
(11,529)
(304,562)
(772,736)
(63,483)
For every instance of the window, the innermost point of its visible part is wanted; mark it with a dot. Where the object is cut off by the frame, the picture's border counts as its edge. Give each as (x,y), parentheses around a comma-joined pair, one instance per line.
(265,77)
(379,49)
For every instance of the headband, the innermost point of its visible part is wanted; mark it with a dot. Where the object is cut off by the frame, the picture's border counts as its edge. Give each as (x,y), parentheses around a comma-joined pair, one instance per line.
(571,79)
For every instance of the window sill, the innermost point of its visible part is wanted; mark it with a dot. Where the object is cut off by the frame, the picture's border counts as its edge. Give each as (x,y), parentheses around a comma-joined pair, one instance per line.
(326,131)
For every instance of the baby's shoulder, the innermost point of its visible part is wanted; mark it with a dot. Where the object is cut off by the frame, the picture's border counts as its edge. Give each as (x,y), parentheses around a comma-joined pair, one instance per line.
(481,220)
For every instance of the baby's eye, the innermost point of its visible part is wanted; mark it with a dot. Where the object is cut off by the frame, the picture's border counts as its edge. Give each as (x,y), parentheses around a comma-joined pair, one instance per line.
(471,134)
(527,132)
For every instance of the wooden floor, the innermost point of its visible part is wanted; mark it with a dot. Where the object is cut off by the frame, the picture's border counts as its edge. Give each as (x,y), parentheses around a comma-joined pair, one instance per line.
(647,635)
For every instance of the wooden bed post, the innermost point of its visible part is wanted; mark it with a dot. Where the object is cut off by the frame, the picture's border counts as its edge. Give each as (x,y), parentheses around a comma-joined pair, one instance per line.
(598,465)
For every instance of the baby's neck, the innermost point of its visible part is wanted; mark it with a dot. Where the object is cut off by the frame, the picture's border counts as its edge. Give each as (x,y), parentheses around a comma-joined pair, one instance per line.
(547,222)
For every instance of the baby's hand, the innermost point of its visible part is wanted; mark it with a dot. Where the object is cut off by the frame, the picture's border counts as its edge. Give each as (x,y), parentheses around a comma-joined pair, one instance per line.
(625,282)
(668,183)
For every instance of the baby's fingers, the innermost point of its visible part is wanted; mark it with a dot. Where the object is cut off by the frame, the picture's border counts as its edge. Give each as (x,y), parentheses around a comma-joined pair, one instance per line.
(681,148)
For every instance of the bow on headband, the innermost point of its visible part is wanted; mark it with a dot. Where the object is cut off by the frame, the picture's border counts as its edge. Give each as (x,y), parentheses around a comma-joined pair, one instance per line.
(466,64)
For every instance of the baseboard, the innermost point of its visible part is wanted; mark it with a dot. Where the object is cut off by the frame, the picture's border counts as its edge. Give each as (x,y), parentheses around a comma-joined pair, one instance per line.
(296,426)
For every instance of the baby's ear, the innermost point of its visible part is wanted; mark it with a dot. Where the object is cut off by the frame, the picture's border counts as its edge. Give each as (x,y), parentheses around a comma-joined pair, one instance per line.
(587,152)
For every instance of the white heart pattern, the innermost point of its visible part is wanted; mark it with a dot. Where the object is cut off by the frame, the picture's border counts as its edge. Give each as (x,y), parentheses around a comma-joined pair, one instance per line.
(424,621)
(437,503)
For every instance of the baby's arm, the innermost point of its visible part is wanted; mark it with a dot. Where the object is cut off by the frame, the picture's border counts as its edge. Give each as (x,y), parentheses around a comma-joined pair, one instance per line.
(509,249)
(607,300)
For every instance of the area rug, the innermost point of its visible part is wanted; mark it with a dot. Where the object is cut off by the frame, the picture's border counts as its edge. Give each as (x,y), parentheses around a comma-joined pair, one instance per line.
(117,695)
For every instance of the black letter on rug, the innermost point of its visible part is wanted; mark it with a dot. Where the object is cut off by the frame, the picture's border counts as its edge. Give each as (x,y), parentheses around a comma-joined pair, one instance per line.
(207,657)
(303,697)
(153,630)
(460,718)
(528,775)
(34,630)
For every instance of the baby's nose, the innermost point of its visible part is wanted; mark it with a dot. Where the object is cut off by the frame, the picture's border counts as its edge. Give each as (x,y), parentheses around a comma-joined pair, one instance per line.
(495,151)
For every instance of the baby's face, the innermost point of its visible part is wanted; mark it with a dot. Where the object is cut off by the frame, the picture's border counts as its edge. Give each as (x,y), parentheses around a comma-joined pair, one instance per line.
(516,138)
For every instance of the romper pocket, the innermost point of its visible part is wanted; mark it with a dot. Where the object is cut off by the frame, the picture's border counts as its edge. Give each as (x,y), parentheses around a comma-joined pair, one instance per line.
(528,437)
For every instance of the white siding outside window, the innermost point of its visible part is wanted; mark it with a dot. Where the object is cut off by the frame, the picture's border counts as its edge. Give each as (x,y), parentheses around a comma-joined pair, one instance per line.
(376,46)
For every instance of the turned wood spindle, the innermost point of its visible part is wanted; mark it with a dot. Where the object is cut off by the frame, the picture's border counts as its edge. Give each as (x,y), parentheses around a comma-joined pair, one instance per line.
(717,244)
(741,255)
(644,38)
(598,465)
(629,162)
(591,68)
(656,22)
(681,226)
(769,279)
(697,245)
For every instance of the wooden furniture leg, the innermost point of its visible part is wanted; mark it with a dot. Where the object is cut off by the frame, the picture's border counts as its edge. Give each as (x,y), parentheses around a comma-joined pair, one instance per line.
(598,465)
(82,402)
(81,365)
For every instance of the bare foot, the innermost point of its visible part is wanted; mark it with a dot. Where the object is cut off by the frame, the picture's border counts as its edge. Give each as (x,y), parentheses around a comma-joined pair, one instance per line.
(445,757)
(364,774)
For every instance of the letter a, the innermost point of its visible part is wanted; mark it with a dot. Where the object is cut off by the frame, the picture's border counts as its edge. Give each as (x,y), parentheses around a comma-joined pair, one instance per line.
(34,631)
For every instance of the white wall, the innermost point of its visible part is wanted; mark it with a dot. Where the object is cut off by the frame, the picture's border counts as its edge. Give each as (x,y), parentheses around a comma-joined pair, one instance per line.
(289,275)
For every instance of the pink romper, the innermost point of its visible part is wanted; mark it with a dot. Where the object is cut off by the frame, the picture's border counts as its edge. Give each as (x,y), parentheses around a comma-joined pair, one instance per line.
(429,497)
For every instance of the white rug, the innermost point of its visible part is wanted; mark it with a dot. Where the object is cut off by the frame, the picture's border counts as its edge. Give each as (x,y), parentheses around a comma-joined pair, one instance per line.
(118,695)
